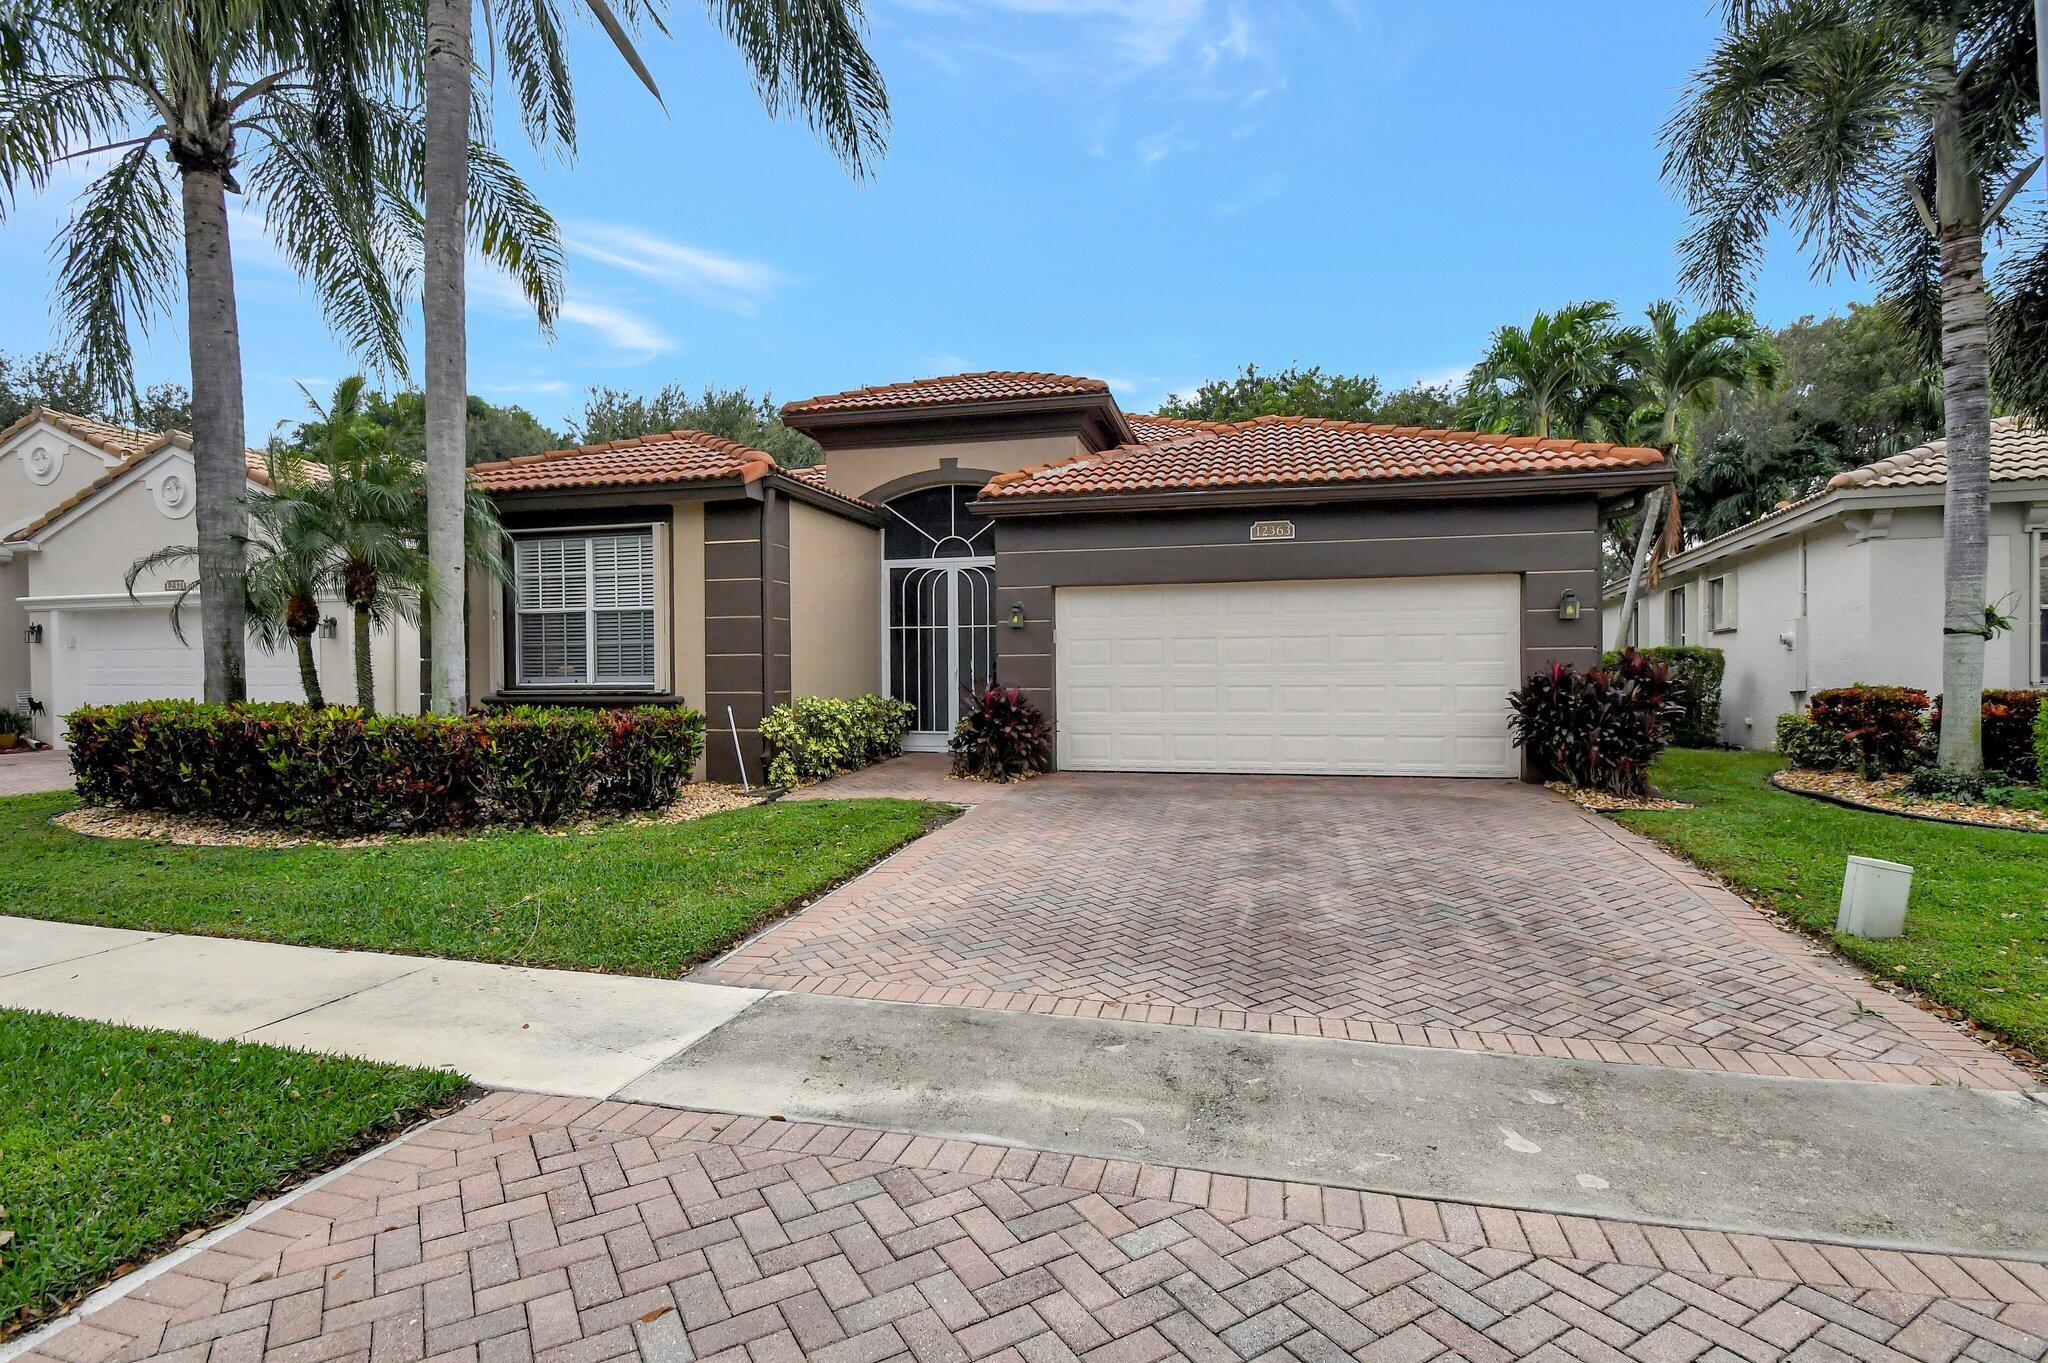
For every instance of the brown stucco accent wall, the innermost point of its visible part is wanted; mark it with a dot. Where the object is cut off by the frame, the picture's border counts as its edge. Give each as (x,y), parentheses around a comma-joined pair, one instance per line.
(746,626)
(835,628)
(1552,543)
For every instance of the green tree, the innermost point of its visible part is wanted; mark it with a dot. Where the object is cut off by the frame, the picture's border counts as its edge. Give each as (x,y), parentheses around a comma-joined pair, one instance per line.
(1293,391)
(1685,368)
(614,414)
(1891,134)
(496,432)
(1734,482)
(809,59)
(1557,372)
(52,379)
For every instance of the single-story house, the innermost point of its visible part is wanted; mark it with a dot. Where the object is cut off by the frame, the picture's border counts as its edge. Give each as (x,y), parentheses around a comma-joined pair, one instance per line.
(1845,586)
(82,500)
(1277,595)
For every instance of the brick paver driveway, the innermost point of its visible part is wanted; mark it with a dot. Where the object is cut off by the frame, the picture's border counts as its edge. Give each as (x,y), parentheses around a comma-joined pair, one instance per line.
(26,773)
(1485,915)
(536,1230)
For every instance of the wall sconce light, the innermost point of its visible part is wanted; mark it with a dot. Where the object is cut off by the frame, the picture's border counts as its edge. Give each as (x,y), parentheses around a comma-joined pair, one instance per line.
(330,628)
(34,633)
(1017,615)
(1568,605)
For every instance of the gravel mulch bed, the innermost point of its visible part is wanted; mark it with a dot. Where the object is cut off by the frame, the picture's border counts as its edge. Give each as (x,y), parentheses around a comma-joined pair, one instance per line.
(185,830)
(1888,795)
(1600,802)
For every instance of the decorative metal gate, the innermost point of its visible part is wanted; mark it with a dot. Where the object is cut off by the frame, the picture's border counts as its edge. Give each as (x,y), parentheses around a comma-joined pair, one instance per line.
(942,640)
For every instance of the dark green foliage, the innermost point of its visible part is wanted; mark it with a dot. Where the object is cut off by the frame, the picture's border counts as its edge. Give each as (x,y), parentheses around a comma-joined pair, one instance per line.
(118,1140)
(1884,727)
(1696,674)
(1807,745)
(493,432)
(1598,729)
(2008,733)
(1295,391)
(340,771)
(813,738)
(14,722)
(1001,737)
(60,381)
(734,413)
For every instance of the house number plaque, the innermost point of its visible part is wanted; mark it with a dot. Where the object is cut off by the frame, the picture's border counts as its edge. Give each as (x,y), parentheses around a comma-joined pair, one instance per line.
(1272,530)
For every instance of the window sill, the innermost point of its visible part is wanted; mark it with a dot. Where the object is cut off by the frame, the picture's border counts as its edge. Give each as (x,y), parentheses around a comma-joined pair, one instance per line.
(594,697)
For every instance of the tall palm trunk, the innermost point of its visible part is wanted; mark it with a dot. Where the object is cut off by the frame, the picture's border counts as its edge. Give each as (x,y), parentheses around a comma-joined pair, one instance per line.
(1966,394)
(366,674)
(309,669)
(218,442)
(447,366)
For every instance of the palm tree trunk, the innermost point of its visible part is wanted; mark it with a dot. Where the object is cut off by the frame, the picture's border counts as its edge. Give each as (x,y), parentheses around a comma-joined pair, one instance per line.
(1966,395)
(218,441)
(366,675)
(309,671)
(449,59)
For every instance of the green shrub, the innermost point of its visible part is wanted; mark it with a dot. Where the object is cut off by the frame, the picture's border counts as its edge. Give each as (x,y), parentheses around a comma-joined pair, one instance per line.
(1696,674)
(1884,726)
(14,722)
(2041,743)
(339,771)
(2009,718)
(1001,737)
(816,737)
(1598,729)
(1805,744)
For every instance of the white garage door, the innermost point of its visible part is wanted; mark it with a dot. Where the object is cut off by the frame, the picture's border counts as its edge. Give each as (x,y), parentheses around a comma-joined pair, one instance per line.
(107,656)
(1369,677)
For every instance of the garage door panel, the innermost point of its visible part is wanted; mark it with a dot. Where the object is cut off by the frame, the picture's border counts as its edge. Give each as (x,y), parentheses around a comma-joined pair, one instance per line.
(1370,676)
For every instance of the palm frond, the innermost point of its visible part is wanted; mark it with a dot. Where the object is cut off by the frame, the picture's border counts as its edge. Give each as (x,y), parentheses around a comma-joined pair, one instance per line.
(512,229)
(810,58)
(118,266)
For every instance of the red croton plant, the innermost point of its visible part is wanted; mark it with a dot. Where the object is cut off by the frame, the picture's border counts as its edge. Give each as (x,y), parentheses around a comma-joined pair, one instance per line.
(1599,729)
(1001,737)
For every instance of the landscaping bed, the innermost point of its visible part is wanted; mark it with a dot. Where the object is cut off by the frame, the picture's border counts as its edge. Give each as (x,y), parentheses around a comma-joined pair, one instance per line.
(634,898)
(1891,795)
(119,1141)
(1976,940)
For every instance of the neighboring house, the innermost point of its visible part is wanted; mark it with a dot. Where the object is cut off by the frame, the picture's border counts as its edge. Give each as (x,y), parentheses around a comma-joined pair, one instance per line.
(1845,586)
(1278,595)
(80,501)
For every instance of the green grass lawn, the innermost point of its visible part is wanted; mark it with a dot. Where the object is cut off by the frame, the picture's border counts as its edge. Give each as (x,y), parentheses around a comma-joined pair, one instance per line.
(642,900)
(1976,928)
(116,1140)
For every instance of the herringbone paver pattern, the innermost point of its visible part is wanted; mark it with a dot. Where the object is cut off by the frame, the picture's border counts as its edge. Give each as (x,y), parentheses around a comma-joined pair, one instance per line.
(913,776)
(537,1230)
(1486,915)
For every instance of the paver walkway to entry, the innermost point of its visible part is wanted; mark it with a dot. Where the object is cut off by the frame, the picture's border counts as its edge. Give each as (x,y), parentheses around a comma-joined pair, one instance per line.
(1476,914)
(25,773)
(537,1230)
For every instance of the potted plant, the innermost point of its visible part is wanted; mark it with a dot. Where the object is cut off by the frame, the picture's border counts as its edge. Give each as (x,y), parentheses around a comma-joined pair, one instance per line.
(14,729)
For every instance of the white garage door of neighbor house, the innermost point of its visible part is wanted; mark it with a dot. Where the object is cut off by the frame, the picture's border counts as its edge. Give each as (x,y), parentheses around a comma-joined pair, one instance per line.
(107,656)
(1362,677)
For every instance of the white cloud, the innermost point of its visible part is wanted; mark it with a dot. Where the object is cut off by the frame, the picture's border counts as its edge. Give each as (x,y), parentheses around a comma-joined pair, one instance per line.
(726,281)
(619,327)
(1139,34)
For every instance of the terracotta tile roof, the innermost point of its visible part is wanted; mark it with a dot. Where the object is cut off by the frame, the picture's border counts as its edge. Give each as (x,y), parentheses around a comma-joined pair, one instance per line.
(1285,451)
(673,457)
(98,485)
(2019,450)
(1150,430)
(105,436)
(813,476)
(994,385)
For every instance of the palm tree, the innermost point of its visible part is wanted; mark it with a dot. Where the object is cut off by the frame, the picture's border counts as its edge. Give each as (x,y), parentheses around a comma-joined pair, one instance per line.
(365,518)
(1687,366)
(808,58)
(263,94)
(1878,128)
(286,101)
(1549,372)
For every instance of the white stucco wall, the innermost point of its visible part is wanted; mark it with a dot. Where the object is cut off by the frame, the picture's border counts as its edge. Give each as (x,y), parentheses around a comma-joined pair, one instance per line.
(1869,603)
(40,467)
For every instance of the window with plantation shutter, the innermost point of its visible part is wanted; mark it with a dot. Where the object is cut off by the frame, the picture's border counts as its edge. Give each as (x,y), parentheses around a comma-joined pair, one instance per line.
(585,607)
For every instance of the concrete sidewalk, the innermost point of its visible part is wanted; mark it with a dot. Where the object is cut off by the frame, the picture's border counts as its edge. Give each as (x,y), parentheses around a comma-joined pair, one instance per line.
(556,1031)
(1923,1167)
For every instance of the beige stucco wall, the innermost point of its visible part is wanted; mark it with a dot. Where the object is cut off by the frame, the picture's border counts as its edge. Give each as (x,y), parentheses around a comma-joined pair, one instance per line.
(859,471)
(22,499)
(686,602)
(835,627)
(14,646)
(90,555)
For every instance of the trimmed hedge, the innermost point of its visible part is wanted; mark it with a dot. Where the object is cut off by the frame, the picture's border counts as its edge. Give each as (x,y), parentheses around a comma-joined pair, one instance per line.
(2009,718)
(339,771)
(1599,729)
(1805,744)
(1697,673)
(1884,726)
(813,738)
(2041,742)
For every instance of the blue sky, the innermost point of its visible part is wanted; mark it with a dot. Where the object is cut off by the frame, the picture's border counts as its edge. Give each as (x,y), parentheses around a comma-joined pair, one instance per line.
(1151,191)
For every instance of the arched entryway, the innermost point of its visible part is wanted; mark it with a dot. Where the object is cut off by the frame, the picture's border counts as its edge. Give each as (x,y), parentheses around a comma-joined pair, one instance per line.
(938,574)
